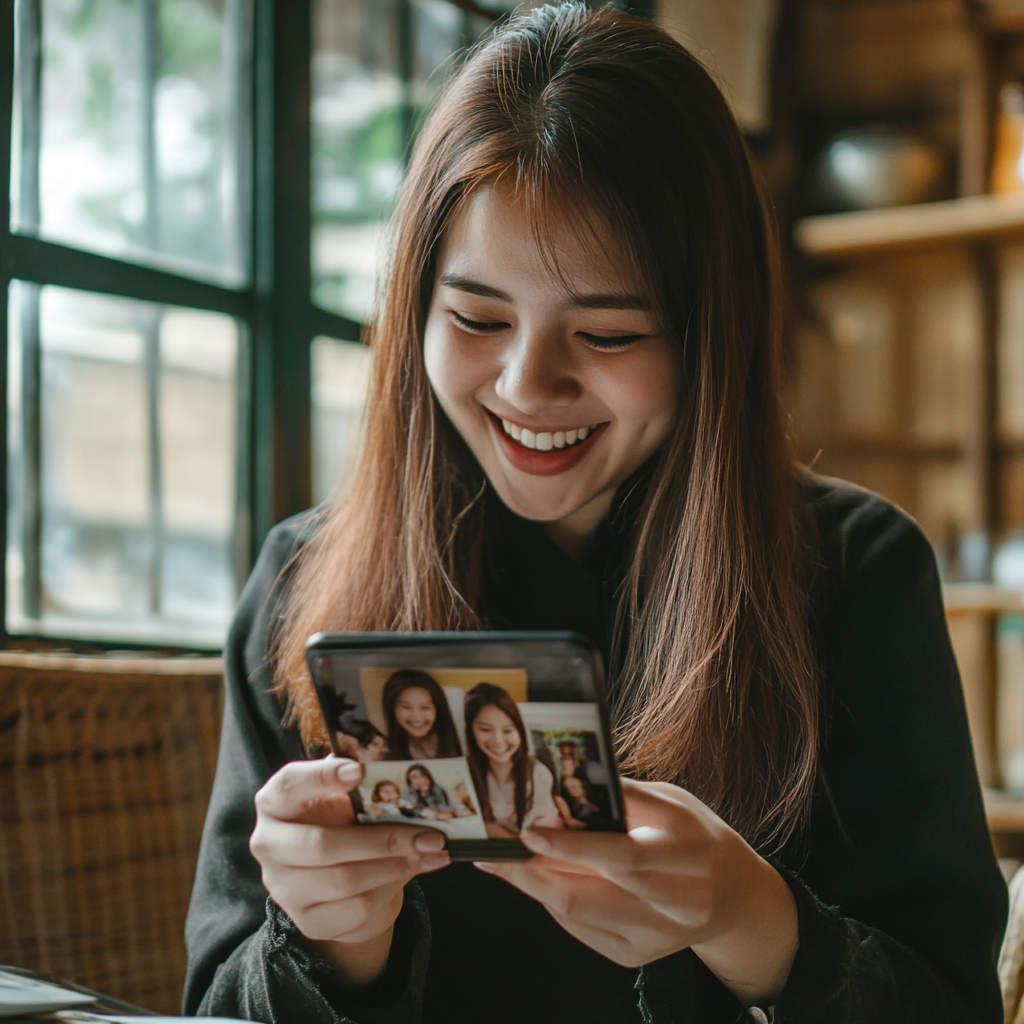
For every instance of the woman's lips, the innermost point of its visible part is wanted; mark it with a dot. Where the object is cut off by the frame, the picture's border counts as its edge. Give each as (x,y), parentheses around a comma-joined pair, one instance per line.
(540,463)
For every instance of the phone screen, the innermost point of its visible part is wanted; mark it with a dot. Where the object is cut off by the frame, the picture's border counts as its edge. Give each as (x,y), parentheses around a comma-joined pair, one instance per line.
(478,739)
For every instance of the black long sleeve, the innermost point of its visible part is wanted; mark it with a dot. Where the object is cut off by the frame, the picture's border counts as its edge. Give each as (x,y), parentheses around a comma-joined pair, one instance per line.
(901,904)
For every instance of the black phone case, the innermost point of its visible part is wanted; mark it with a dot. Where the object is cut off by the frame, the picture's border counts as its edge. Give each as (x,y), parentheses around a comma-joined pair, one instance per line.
(456,650)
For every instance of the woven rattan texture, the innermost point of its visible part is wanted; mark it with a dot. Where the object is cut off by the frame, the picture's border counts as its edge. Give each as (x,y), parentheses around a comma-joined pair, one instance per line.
(105,773)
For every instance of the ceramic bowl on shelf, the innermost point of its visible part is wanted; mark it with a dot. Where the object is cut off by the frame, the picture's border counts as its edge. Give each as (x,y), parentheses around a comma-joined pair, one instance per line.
(876,167)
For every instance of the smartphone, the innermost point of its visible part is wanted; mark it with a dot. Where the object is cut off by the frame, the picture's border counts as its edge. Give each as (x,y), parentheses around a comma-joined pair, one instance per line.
(478,735)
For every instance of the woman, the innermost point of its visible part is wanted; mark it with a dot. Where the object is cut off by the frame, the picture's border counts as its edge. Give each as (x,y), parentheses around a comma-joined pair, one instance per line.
(514,788)
(575,423)
(420,726)
(425,798)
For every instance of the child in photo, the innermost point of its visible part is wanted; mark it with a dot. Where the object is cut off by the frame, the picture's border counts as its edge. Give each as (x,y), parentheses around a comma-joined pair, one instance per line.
(385,804)
(515,789)
(419,724)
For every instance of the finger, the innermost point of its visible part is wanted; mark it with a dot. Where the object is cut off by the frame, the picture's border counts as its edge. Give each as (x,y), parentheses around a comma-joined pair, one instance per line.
(307,887)
(291,844)
(300,785)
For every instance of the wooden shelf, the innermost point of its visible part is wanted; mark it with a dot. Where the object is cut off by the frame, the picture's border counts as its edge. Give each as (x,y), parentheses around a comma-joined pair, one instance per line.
(980,598)
(905,227)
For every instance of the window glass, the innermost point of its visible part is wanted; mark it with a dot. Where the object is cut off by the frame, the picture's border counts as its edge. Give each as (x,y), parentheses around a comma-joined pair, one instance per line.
(130,124)
(358,123)
(341,376)
(377,67)
(128,411)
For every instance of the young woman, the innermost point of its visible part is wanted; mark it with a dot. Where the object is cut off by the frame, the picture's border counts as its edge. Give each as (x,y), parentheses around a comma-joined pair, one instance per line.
(574,423)
(420,725)
(425,798)
(515,789)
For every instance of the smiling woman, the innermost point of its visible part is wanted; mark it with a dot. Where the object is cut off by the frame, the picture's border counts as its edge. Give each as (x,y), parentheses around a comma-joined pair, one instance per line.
(575,424)
(571,358)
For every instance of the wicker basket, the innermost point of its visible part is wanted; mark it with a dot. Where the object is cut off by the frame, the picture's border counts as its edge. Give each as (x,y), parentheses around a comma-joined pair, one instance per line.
(106,767)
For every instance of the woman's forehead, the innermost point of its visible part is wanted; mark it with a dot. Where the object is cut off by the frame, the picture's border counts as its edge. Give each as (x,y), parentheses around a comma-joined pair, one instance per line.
(501,233)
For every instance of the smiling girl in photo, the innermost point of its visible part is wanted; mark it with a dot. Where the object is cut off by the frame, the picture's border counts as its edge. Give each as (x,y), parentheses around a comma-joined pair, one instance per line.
(515,789)
(419,723)
(575,423)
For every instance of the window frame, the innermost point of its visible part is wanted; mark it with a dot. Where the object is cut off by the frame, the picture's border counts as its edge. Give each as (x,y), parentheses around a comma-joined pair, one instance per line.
(276,317)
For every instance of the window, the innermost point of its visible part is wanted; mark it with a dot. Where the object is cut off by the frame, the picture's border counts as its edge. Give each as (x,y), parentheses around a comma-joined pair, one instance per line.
(186,265)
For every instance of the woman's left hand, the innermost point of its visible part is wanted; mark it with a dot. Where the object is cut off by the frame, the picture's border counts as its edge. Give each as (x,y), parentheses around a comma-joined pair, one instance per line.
(679,878)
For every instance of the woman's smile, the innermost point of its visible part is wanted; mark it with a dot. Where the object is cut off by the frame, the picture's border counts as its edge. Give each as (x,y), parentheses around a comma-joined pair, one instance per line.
(544,452)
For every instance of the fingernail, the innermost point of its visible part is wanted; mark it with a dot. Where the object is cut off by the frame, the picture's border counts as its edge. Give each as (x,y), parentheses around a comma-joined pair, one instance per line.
(428,842)
(349,773)
(433,861)
(535,841)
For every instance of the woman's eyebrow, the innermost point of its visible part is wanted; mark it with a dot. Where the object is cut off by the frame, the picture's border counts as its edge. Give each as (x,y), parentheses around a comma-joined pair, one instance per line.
(611,300)
(467,284)
(601,300)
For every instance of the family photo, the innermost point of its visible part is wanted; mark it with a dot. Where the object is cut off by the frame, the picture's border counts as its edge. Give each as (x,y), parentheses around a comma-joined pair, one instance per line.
(465,750)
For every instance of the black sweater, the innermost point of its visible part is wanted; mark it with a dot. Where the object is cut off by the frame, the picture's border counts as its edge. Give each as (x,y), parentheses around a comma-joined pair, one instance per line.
(900,901)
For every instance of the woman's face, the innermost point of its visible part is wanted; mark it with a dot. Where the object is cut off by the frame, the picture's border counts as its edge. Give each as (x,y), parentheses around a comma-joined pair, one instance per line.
(419,782)
(562,384)
(415,711)
(496,734)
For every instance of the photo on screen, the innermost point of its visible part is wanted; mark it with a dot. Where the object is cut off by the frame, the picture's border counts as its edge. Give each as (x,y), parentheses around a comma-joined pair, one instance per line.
(421,714)
(438,794)
(566,738)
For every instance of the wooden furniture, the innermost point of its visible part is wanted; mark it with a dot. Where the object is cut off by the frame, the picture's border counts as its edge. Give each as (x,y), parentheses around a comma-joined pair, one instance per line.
(106,766)
(907,352)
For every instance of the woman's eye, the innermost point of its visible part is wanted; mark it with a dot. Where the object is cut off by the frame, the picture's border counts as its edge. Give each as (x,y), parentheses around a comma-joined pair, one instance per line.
(477,326)
(610,341)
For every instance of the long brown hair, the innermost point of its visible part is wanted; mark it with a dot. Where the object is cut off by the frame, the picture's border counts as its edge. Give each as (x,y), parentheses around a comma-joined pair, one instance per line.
(603,119)
(444,725)
(485,695)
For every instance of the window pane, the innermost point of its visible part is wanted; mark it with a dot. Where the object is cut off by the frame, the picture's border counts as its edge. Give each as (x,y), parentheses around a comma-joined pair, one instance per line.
(358,122)
(341,376)
(367,97)
(129,129)
(122,468)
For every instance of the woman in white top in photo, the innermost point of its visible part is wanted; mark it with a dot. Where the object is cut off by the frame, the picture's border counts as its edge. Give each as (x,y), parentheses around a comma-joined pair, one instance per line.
(515,789)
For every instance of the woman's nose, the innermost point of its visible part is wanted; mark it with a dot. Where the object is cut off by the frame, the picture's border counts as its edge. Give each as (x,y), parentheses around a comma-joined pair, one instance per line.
(537,373)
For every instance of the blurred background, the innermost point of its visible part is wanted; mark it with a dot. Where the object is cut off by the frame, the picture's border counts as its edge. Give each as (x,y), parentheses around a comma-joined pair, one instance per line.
(198,192)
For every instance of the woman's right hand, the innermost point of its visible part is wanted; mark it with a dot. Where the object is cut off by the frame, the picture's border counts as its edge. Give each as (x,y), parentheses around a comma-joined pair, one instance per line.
(340,883)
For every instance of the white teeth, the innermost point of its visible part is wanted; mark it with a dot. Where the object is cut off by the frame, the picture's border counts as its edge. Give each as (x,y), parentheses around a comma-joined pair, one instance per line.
(545,440)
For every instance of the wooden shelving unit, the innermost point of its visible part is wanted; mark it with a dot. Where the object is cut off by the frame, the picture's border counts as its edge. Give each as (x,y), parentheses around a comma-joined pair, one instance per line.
(981,599)
(875,232)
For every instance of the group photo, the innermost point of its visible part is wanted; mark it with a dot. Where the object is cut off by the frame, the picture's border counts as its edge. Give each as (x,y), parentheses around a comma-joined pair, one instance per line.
(464,750)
